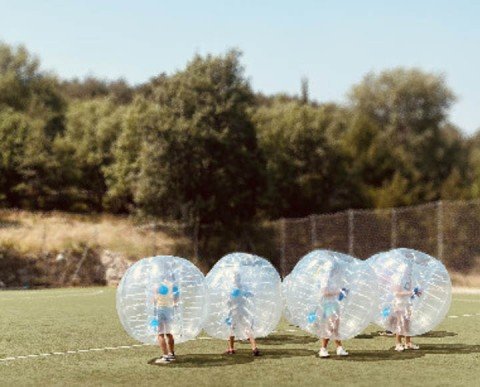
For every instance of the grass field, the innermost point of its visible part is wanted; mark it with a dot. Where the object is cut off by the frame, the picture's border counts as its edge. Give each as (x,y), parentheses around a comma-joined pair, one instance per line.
(50,323)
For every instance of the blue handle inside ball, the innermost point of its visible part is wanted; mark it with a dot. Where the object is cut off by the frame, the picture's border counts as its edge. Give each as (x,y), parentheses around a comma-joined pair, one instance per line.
(163,290)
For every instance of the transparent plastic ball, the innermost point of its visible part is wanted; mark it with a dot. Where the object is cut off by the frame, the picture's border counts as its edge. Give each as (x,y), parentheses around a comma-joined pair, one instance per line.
(331,295)
(416,291)
(244,297)
(162,294)
(286,312)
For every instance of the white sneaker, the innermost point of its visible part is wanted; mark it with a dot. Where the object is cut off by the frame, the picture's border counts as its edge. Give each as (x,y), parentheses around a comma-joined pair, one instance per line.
(171,357)
(411,346)
(399,348)
(162,360)
(341,351)
(323,352)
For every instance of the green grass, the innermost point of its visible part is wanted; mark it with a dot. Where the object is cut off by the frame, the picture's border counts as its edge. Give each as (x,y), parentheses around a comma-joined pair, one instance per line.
(34,322)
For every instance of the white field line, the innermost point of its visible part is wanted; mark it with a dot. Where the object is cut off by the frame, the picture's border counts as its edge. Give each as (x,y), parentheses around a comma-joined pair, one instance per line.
(465,290)
(465,300)
(71,352)
(19,297)
(78,351)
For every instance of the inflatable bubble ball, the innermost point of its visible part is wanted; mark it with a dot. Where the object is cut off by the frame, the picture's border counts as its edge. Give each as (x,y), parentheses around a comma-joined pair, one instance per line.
(161,295)
(286,312)
(244,297)
(415,291)
(331,295)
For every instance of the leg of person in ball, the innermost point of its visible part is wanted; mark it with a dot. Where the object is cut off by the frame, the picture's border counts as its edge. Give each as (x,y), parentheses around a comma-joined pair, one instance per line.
(162,343)
(171,345)
(323,350)
(230,345)
(409,344)
(340,350)
(253,343)
(408,339)
(399,331)
(398,343)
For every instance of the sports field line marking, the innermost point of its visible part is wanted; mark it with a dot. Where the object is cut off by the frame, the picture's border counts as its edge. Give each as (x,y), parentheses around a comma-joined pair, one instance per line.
(465,300)
(71,352)
(21,297)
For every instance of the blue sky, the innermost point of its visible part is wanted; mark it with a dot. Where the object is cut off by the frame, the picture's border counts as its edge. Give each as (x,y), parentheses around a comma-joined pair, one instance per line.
(333,43)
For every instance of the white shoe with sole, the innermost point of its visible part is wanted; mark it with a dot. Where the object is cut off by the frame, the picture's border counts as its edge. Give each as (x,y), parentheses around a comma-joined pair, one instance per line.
(341,352)
(323,352)
(399,348)
(411,346)
(162,360)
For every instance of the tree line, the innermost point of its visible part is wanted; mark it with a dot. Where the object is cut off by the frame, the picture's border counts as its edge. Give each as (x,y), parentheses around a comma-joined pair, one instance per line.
(201,147)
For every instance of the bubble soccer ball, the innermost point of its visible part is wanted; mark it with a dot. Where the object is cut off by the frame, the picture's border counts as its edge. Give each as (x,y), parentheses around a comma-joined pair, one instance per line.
(415,291)
(163,294)
(285,290)
(331,295)
(244,297)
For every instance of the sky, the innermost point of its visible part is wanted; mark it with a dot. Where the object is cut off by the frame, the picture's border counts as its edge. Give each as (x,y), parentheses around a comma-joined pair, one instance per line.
(332,43)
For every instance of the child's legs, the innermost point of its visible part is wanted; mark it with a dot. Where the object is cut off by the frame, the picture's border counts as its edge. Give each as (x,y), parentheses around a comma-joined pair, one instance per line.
(398,339)
(408,339)
(333,323)
(325,342)
(253,343)
(231,343)
(171,343)
(336,324)
(162,343)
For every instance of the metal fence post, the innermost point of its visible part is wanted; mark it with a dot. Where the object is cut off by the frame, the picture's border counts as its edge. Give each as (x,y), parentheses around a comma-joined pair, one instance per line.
(154,238)
(440,230)
(351,239)
(44,240)
(393,228)
(313,231)
(283,247)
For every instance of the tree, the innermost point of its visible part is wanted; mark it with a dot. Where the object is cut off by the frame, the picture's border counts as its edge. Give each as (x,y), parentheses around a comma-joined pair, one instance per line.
(13,135)
(92,127)
(405,111)
(90,88)
(305,172)
(31,100)
(197,159)
(123,174)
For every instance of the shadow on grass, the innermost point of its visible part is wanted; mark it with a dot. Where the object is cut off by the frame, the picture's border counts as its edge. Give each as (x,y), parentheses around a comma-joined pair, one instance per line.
(287,339)
(439,334)
(433,334)
(241,357)
(432,349)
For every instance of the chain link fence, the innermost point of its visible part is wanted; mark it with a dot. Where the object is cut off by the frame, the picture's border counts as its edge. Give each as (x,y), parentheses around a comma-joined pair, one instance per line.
(69,249)
(448,230)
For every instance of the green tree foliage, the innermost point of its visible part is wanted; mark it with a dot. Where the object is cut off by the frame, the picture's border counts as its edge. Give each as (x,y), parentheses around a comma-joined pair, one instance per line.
(122,176)
(90,88)
(13,135)
(198,159)
(399,136)
(32,112)
(200,147)
(85,150)
(306,173)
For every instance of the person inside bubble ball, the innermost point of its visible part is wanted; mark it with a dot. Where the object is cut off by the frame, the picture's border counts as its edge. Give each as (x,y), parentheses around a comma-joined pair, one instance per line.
(239,317)
(331,296)
(165,301)
(404,294)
